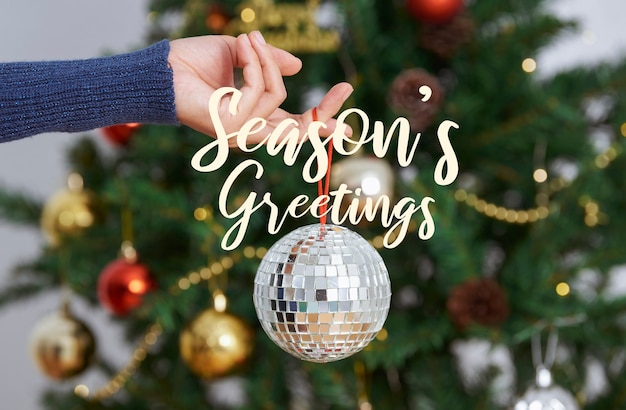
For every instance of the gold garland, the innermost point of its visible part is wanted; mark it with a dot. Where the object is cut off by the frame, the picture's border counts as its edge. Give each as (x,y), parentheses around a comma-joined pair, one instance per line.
(121,377)
(542,211)
(501,213)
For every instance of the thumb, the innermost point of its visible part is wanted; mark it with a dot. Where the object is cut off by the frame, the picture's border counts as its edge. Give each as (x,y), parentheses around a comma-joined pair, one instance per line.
(330,106)
(333,101)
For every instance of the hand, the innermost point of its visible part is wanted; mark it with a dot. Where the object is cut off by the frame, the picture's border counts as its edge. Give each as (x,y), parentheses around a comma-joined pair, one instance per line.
(203,64)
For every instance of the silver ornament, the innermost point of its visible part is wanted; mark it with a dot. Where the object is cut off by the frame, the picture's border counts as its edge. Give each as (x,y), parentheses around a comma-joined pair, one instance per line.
(322,293)
(372,177)
(545,395)
(551,398)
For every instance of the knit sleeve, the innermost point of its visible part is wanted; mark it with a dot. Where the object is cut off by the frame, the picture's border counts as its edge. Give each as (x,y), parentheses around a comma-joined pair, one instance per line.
(80,95)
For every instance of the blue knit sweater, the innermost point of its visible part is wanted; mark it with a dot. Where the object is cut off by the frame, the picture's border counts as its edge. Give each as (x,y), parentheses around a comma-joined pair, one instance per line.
(80,95)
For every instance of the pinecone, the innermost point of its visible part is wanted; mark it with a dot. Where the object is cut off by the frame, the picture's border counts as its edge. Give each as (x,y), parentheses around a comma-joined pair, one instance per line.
(478,301)
(445,39)
(405,97)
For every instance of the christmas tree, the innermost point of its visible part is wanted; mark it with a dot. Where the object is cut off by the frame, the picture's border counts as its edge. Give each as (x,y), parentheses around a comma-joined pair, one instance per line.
(502,285)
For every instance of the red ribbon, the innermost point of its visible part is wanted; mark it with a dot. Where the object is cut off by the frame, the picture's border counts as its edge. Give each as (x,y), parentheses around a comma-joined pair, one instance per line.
(325,188)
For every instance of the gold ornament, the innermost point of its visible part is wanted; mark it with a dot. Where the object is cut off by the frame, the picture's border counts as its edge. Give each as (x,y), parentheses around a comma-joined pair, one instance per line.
(215,343)
(61,345)
(290,26)
(68,211)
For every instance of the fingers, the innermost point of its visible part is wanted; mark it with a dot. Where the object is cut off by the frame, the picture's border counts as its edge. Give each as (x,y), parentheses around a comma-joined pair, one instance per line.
(275,92)
(254,82)
(287,63)
(263,90)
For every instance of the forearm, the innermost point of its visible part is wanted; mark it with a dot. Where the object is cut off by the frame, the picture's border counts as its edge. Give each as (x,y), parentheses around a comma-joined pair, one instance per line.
(80,95)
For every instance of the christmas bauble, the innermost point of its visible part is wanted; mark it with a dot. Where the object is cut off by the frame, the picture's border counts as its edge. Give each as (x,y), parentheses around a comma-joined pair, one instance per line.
(61,345)
(122,285)
(217,18)
(434,11)
(215,343)
(545,395)
(322,293)
(372,176)
(120,134)
(68,212)
(546,398)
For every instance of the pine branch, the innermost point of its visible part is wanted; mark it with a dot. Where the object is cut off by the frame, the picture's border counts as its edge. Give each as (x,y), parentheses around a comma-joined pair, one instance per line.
(19,208)
(18,292)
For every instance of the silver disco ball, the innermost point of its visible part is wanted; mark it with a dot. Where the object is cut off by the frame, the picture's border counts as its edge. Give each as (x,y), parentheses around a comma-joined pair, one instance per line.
(322,293)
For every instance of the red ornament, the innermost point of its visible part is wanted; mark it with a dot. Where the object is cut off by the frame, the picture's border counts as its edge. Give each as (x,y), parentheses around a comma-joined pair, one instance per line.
(217,18)
(120,134)
(434,11)
(122,284)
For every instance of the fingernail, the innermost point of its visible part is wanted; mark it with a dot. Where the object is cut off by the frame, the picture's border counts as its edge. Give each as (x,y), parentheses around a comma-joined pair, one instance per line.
(259,36)
(246,39)
(348,92)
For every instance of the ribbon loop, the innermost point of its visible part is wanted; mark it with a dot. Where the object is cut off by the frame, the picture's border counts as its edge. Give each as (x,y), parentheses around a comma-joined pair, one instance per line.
(324,188)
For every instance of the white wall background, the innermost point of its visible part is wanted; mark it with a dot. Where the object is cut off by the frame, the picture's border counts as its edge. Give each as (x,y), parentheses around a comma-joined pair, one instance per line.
(38,30)
(64,29)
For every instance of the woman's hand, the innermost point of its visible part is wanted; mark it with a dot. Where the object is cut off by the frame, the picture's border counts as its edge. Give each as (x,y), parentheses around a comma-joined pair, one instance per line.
(203,64)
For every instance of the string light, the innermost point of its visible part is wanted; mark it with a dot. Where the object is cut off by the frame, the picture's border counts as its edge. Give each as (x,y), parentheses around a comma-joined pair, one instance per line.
(219,301)
(194,278)
(81,390)
(248,15)
(382,335)
(592,211)
(183,283)
(200,214)
(260,252)
(562,289)
(540,175)
(249,252)
(217,268)
(205,273)
(529,65)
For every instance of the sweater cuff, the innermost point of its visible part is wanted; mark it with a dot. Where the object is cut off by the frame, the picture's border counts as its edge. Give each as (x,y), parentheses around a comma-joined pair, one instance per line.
(80,95)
